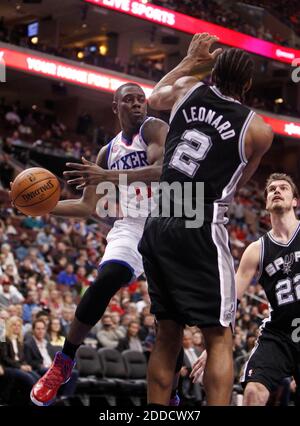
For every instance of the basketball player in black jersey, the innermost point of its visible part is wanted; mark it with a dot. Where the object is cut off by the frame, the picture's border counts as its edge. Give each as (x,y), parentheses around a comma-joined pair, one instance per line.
(215,139)
(276,256)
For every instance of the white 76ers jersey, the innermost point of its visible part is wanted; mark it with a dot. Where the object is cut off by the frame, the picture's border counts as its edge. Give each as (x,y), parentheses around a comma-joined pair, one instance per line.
(125,155)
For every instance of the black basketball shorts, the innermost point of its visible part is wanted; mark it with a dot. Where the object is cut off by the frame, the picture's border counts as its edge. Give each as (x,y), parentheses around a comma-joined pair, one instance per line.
(272,359)
(189,271)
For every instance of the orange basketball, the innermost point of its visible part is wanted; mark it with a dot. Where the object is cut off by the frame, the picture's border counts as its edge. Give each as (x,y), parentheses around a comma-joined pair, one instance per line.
(35,191)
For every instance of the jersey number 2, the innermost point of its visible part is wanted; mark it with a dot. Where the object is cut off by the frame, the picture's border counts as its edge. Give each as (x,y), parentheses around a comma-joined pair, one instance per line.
(188,153)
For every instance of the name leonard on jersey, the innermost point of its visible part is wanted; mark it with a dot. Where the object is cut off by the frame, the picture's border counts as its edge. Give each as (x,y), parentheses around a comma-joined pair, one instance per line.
(201,114)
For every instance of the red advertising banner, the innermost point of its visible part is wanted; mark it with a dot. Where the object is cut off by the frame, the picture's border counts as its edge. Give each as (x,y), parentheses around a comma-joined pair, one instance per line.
(43,66)
(185,23)
(62,71)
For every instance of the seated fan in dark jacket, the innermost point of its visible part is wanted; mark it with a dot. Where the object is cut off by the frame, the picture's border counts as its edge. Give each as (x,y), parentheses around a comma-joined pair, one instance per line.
(39,353)
(131,340)
(16,369)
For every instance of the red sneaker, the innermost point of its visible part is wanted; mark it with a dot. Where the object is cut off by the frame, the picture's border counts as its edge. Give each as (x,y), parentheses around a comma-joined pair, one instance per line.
(44,391)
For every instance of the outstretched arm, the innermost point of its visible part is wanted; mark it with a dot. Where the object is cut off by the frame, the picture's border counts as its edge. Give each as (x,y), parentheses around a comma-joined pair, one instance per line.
(178,81)
(154,132)
(247,268)
(86,205)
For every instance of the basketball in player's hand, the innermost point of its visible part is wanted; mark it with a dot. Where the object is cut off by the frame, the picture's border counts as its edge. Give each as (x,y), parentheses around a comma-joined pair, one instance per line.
(35,191)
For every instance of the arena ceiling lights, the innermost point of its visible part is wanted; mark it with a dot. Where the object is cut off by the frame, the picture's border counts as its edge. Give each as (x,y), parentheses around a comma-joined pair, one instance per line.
(185,23)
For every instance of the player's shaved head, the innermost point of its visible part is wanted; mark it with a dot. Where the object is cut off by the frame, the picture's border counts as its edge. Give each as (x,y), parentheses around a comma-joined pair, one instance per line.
(120,89)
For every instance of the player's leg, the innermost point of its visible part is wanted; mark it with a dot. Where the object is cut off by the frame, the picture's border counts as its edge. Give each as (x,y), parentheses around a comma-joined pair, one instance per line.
(218,374)
(163,360)
(175,399)
(271,361)
(90,309)
(94,302)
(255,394)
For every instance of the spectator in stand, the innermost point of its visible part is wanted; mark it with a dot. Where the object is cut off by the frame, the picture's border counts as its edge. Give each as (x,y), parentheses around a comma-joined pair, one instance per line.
(55,303)
(32,222)
(81,275)
(189,390)
(116,319)
(9,294)
(39,353)
(147,327)
(198,341)
(67,318)
(30,305)
(12,116)
(109,335)
(131,340)
(7,257)
(68,301)
(11,272)
(67,279)
(22,250)
(13,360)
(54,333)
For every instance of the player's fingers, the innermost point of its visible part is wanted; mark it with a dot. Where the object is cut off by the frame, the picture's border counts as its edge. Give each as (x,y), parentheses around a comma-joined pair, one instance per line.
(194,371)
(213,39)
(76,166)
(202,36)
(197,377)
(73,173)
(216,53)
(10,184)
(206,38)
(87,162)
(75,181)
(82,186)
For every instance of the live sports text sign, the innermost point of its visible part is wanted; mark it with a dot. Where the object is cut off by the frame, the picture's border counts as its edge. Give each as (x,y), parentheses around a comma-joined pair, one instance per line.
(185,23)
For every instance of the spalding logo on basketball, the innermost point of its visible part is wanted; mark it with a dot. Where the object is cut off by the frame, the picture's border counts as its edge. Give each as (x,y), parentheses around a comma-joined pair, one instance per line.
(35,191)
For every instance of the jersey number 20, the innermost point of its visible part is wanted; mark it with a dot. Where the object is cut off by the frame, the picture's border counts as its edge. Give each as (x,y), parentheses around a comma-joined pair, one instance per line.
(188,153)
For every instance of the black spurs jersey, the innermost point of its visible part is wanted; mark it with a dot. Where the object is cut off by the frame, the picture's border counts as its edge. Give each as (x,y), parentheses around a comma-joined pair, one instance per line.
(205,144)
(280,278)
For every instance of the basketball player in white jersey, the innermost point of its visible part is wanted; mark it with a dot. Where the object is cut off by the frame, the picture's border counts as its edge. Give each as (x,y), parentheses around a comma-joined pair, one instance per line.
(137,152)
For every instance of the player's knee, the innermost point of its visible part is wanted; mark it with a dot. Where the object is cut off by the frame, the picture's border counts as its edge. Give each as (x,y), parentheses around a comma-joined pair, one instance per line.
(161,378)
(112,275)
(116,270)
(256,394)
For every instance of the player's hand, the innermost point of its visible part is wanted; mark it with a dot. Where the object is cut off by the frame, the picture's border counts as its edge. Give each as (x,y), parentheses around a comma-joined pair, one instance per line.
(198,368)
(200,45)
(85,174)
